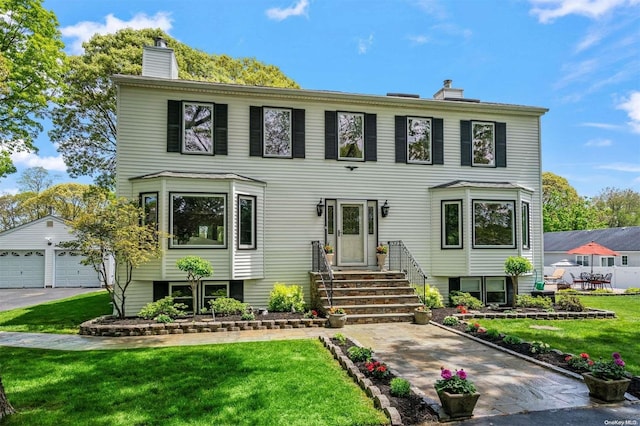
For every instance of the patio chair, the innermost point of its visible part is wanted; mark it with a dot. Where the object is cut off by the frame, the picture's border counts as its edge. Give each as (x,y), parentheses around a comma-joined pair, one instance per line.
(607,280)
(555,278)
(580,281)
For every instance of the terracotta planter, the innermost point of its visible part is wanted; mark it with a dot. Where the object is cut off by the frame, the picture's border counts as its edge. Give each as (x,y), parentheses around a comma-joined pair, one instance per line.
(606,390)
(337,320)
(329,258)
(458,405)
(382,258)
(422,317)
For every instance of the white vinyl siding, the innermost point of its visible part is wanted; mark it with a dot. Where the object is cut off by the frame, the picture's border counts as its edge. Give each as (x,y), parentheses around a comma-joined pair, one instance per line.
(293,187)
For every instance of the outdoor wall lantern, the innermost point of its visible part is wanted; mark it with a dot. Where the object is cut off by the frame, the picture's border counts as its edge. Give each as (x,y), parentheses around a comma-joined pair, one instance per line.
(385,209)
(319,207)
(49,242)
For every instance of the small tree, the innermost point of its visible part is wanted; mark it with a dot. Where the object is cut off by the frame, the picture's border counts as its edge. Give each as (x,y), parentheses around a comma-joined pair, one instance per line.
(196,268)
(515,266)
(111,228)
(5,406)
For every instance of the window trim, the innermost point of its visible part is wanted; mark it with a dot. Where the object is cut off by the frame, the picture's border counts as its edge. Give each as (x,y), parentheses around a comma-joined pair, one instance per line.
(183,149)
(364,139)
(430,120)
(443,233)
(526,225)
(504,288)
(142,196)
(624,259)
(264,125)
(203,298)
(254,224)
(181,299)
(198,194)
(607,258)
(513,224)
(479,280)
(580,259)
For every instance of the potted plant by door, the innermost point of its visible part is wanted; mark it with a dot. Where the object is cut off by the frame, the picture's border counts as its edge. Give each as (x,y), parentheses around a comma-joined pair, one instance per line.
(337,317)
(328,251)
(422,315)
(457,394)
(607,380)
(381,255)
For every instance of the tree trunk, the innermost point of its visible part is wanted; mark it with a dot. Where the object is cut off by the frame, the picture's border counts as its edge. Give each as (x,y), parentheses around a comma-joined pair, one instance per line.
(514,283)
(5,406)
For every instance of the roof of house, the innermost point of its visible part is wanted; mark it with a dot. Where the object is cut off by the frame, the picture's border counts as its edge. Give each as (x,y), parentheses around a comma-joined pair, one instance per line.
(618,239)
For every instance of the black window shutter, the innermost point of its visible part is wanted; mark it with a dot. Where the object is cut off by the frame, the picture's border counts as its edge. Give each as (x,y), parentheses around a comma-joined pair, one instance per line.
(160,290)
(438,141)
(401,139)
(174,126)
(236,290)
(370,137)
(298,133)
(330,135)
(220,129)
(501,144)
(465,143)
(255,131)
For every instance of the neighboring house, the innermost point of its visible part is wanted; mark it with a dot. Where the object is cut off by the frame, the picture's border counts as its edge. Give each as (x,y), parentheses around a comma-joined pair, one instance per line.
(30,257)
(625,241)
(247,177)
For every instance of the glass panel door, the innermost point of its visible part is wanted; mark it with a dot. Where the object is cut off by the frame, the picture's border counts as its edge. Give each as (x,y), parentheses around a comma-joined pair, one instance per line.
(352,234)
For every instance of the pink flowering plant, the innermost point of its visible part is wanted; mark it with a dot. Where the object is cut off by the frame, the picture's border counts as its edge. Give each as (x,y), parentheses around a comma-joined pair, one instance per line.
(612,369)
(376,369)
(456,383)
(582,362)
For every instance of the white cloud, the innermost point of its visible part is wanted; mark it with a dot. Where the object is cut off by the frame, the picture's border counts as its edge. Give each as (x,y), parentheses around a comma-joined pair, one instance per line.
(10,191)
(549,10)
(364,44)
(605,126)
(432,7)
(83,31)
(632,106)
(621,167)
(599,142)
(279,14)
(419,39)
(29,159)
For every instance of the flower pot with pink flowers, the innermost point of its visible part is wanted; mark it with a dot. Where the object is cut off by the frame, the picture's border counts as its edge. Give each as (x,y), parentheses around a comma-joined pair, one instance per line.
(607,380)
(458,395)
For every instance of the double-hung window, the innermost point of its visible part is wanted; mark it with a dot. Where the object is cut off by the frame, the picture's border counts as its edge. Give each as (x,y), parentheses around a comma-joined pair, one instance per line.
(276,132)
(483,144)
(582,260)
(195,127)
(350,136)
(452,224)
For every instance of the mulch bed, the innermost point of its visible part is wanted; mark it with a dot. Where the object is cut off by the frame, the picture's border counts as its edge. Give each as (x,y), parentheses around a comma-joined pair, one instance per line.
(554,358)
(413,409)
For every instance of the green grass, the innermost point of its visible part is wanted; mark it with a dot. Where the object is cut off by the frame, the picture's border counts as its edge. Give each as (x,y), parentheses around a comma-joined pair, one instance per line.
(597,337)
(60,316)
(259,383)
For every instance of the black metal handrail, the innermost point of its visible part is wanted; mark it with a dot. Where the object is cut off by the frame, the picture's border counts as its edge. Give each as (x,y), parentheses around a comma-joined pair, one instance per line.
(401,259)
(320,264)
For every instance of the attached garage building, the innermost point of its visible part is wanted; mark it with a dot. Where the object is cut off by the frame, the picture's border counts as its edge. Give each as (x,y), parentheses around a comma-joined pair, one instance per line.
(30,257)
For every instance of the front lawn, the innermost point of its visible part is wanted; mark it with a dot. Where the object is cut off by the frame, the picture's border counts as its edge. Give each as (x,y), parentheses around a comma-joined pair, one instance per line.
(259,383)
(59,316)
(597,337)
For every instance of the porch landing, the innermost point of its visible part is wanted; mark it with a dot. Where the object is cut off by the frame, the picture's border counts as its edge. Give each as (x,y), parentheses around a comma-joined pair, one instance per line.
(368,296)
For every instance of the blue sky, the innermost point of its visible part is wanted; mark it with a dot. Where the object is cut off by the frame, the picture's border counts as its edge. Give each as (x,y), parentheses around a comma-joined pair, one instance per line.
(579,58)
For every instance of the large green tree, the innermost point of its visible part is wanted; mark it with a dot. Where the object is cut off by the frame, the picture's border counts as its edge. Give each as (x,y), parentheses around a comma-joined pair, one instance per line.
(618,207)
(563,209)
(85,117)
(31,63)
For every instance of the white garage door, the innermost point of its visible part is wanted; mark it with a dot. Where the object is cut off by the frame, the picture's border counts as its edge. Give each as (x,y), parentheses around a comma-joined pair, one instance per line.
(21,268)
(71,273)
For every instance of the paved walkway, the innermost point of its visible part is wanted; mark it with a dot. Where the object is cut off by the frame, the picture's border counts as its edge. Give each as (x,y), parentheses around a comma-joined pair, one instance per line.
(509,385)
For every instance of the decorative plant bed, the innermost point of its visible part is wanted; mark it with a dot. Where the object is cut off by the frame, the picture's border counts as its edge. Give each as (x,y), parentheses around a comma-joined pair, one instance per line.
(536,314)
(108,326)
(414,409)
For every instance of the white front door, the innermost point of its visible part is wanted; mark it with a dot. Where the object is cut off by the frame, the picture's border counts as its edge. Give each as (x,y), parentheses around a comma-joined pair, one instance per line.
(352,233)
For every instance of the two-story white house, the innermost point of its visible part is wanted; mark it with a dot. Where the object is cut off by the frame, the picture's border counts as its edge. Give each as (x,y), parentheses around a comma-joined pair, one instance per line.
(247,177)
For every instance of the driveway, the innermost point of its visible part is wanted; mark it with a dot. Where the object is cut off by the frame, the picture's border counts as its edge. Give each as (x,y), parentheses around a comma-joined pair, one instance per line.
(21,297)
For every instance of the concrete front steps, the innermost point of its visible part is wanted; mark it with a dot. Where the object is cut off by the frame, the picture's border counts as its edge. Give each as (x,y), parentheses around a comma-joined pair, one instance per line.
(368,296)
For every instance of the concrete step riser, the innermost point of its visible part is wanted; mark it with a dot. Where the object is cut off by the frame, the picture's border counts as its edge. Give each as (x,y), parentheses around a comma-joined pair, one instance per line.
(379,320)
(365,283)
(346,292)
(387,300)
(382,309)
(364,276)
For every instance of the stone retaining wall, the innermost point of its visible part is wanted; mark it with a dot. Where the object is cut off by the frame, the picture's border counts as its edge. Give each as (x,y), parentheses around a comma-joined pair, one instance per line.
(94,328)
(562,315)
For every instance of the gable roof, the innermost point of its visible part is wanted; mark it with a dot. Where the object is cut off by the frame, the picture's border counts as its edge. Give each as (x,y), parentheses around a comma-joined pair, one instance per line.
(618,239)
(33,222)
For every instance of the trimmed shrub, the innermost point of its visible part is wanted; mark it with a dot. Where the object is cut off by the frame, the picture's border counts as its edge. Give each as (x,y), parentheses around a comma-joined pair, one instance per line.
(286,298)
(568,302)
(632,290)
(459,298)
(538,347)
(399,387)
(429,296)
(527,301)
(512,340)
(493,333)
(164,306)
(228,306)
(450,320)
(359,354)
